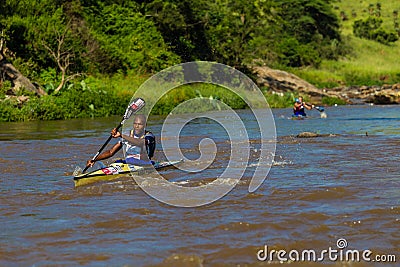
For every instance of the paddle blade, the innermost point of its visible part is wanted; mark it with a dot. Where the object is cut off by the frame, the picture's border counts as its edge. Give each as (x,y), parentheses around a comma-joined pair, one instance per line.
(135,106)
(320,109)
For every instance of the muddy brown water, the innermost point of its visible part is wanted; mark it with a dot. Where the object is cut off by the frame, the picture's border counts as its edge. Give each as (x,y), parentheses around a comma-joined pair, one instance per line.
(318,191)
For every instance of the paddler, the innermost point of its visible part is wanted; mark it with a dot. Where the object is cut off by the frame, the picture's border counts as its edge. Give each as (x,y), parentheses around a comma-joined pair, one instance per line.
(139,144)
(299,105)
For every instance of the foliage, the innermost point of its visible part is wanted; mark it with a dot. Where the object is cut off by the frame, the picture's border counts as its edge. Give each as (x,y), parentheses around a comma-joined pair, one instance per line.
(147,36)
(371,29)
(78,101)
(294,54)
(129,39)
(202,91)
(273,31)
(47,78)
(310,33)
(283,100)
(330,101)
(182,25)
(116,45)
(318,77)
(4,87)
(234,30)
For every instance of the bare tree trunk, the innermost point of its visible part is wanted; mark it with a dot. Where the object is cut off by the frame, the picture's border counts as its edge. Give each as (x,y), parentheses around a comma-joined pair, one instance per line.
(62,56)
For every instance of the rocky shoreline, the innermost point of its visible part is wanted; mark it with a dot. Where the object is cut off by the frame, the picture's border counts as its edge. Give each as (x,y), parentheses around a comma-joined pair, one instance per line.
(278,81)
(281,82)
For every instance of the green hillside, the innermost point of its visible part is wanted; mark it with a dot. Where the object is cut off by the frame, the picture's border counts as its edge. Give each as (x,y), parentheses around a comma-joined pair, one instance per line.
(370,62)
(354,10)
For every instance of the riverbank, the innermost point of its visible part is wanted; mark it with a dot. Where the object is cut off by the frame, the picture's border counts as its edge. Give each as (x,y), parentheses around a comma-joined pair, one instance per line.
(107,96)
(282,82)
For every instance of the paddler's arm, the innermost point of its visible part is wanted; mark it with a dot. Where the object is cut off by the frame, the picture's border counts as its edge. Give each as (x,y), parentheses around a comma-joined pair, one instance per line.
(308,106)
(109,153)
(134,141)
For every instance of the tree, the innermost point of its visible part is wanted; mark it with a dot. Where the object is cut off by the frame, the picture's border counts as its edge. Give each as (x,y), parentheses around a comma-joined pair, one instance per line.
(182,25)
(306,18)
(41,37)
(314,25)
(129,38)
(371,28)
(239,31)
(62,55)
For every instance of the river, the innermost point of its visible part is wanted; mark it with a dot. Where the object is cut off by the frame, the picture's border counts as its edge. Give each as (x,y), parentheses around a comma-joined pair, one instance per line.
(320,193)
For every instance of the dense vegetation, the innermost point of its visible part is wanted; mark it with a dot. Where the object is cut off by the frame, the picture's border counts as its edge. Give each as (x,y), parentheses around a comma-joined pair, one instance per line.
(90,55)
(146,36)
(369,62)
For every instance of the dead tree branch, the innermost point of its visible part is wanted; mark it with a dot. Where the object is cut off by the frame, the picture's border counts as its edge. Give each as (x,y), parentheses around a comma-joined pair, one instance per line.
(62,56)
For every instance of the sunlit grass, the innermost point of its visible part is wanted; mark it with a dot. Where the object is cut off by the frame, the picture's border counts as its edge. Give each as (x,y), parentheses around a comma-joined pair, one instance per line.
(370,62)
(359,9)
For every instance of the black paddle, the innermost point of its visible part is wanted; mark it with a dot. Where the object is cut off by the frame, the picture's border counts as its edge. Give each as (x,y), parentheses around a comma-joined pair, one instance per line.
(320,109)
(135,106)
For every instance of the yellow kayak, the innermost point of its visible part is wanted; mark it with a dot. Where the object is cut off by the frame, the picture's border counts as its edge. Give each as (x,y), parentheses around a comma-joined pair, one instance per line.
(117,170)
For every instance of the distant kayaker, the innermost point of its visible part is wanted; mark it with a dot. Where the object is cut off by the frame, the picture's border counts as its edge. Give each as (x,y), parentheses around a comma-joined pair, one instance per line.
(139,144)
(299,105)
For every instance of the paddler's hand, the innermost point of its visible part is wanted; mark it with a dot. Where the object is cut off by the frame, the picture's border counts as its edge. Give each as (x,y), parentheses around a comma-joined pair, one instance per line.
(90,163)
(115,133)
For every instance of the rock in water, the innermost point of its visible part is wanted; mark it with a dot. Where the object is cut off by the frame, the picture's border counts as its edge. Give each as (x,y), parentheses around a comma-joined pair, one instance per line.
(307,135)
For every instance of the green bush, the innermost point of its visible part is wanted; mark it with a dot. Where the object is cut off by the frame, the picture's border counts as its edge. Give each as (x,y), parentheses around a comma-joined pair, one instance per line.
(76,101)
(4,87)
(130,40)
(371,28)
(203,91)
(354,77)
(330,101)
(9,111)
(294,54)
(279,100)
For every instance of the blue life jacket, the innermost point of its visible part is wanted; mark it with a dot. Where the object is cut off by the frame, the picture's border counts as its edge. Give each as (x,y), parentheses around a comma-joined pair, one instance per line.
(299,111)
(133,152)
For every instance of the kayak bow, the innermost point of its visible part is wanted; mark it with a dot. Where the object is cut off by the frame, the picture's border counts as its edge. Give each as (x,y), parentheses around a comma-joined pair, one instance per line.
(118,170)
(298,117)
